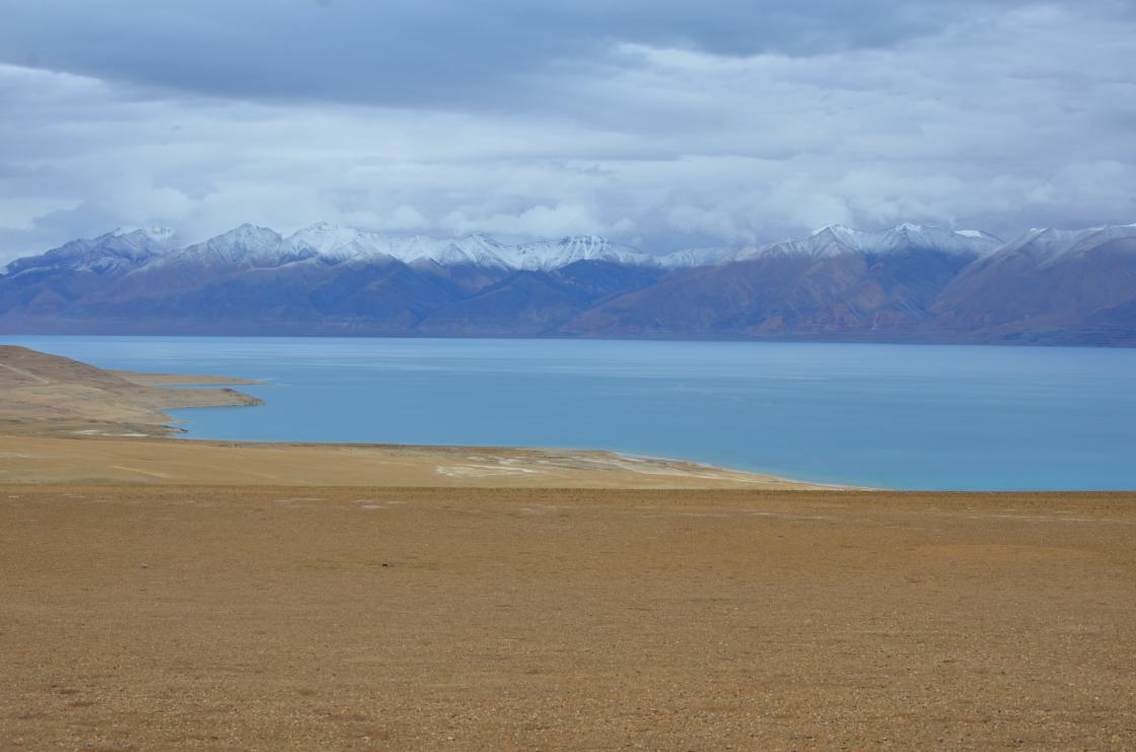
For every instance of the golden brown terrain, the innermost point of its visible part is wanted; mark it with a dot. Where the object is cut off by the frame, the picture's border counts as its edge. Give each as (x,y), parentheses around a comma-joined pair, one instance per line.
(33,459)
(163,594)
(279,618)
(44,394)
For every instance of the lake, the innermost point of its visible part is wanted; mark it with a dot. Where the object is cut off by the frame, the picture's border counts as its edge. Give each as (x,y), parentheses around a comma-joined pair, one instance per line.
(899,416)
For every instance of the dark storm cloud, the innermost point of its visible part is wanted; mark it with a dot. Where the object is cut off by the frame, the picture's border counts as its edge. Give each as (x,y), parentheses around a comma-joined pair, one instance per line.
(432,53)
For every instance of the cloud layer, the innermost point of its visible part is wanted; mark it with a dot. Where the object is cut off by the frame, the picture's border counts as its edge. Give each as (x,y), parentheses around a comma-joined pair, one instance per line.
(665,124)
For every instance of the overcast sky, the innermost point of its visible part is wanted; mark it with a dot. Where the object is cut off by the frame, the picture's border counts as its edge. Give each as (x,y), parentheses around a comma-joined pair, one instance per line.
(664,123)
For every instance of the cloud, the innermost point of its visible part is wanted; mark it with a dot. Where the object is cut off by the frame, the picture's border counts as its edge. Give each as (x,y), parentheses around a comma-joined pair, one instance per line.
(436,54)
(535,221)
(667,128)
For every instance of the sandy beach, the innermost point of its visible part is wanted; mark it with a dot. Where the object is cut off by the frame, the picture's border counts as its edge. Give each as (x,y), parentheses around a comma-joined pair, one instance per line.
(168,594)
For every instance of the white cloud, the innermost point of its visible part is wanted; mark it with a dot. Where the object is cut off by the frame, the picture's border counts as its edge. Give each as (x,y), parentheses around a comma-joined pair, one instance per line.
(1006,117)
(536,221)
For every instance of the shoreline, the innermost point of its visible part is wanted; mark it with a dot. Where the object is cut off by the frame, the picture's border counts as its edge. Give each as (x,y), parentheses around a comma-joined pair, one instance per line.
(63,421)
(50,395)
(46,396)
(133,459)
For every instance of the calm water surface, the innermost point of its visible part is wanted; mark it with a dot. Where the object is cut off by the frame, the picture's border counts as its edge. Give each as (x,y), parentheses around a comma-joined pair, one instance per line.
(930,417)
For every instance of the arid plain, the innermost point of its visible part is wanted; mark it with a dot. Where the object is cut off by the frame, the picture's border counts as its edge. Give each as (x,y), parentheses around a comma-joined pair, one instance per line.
(159,594)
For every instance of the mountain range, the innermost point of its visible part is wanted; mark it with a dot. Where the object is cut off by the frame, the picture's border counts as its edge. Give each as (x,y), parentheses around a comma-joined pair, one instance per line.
(909,283)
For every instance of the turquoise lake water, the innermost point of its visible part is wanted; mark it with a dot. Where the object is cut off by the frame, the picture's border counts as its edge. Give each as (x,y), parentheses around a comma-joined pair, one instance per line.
(900,416)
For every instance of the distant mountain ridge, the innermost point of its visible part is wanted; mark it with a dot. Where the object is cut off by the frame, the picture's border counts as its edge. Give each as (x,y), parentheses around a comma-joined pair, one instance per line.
(124,248)
(837,240)
(907,283)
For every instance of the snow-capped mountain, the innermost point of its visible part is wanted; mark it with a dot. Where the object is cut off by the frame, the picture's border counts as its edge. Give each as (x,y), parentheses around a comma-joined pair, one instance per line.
(1048,245)
(693,257)
(545,255)
(910,283)
(339,243)
(131,235)
(243,246)
(1052,281)
(470,250)
(118,250)
(251,246)
(336,243)
(835,240)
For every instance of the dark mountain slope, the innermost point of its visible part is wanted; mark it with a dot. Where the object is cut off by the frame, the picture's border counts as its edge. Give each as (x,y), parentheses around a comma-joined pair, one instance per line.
(784,294)
(1048,287)
(909,284)
(534,303)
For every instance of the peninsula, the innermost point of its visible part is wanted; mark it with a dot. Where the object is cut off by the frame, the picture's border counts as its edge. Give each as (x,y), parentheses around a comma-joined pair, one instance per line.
(62,421)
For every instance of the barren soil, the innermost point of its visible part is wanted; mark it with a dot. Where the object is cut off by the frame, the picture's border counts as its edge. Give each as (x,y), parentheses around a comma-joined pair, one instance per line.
(163,594)
(42,394)
(262,618)
(32,459)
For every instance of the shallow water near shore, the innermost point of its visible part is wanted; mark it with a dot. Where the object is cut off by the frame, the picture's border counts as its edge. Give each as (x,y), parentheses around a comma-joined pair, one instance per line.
(897,416)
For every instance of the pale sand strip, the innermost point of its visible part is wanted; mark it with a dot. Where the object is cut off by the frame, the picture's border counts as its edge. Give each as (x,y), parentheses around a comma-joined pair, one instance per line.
(47,459)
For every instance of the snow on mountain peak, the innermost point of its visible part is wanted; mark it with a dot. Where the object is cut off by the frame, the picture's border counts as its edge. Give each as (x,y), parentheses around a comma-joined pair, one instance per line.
(260,246)
(246,245)
(121,249)
(1048,245)
(837,231)
(153,232)
(248,231)
(545,255)
(693,257)
(835,240)
(253,246)
(327,239)
(338,244)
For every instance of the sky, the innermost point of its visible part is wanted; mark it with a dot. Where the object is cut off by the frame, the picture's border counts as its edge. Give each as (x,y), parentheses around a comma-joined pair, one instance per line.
(660,123)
